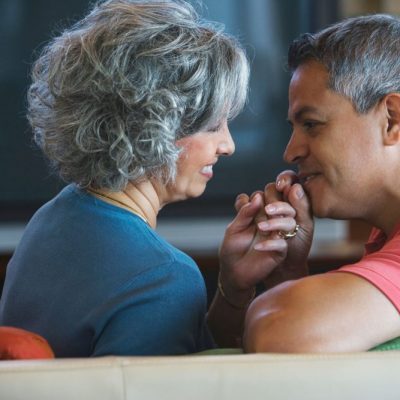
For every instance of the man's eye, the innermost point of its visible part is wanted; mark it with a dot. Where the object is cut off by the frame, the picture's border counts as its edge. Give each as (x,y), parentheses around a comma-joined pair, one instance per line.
(310,124)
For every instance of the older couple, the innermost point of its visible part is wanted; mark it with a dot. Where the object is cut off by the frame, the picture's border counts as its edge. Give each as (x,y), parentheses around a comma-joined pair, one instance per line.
(131,106)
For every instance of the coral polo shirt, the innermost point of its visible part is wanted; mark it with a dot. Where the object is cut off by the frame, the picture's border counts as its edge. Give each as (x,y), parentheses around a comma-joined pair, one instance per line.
(380,264)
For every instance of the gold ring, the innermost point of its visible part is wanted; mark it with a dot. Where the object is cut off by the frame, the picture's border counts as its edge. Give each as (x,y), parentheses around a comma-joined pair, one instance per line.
(288,235)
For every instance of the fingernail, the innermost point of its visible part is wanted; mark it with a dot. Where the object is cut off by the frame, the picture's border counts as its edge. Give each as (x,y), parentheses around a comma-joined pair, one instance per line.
(263,225)
(280,182)
(299,192)
(270,208)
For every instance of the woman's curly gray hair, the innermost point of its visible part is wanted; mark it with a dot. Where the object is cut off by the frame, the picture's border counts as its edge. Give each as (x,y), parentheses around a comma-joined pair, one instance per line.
(111,96)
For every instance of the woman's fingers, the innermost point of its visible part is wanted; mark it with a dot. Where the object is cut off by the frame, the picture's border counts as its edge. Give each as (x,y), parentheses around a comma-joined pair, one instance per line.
(272,245)
(246,214)
(279,209)
(286,224)
(241,200)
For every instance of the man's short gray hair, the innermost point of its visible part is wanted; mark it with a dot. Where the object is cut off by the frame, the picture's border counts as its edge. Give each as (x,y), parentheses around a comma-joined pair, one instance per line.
(111,95)
(361,54)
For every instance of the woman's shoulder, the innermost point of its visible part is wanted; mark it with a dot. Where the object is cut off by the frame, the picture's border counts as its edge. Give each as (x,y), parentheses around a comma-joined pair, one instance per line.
(168,256)
(101,236)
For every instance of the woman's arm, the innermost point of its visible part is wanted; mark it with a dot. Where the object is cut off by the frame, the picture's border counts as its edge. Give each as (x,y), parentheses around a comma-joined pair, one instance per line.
(252,252)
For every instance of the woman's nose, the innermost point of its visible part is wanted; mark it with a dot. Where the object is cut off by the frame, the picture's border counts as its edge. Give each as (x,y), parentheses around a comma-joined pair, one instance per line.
(226,146)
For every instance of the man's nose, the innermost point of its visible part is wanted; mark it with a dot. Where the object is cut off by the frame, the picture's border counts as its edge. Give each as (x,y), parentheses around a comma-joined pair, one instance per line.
(296,149)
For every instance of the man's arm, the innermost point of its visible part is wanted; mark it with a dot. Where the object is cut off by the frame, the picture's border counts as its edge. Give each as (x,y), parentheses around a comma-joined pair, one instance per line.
(333,312)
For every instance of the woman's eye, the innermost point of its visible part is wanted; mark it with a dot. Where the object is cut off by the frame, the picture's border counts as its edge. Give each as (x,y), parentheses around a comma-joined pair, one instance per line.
(215,128)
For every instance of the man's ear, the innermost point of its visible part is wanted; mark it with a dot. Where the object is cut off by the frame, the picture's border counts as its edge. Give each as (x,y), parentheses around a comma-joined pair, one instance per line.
(391,102)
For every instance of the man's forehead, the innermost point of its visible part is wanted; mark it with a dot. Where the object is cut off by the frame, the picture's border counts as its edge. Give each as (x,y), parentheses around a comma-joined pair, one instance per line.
(310,73)
(309,92)
(300,112)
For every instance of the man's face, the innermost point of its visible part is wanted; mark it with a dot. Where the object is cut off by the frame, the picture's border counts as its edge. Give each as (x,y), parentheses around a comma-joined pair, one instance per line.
(337,150)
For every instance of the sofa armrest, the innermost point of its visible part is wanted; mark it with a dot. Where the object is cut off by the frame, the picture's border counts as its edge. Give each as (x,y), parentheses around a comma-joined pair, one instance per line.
(259,376)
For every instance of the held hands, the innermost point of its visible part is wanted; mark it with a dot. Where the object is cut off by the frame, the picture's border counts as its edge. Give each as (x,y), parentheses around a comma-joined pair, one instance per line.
(252,248)
(291,192)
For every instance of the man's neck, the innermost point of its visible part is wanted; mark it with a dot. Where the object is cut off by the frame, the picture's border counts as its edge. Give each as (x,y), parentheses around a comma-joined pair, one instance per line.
(387,214)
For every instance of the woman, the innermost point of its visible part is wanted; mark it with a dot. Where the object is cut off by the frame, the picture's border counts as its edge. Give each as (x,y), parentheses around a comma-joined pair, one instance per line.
(131,106)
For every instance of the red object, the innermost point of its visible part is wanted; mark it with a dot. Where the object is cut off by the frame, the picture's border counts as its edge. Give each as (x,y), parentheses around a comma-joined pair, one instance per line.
(19,344)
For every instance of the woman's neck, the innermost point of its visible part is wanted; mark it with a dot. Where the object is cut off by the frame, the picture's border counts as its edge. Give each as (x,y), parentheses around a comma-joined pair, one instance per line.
(143,197)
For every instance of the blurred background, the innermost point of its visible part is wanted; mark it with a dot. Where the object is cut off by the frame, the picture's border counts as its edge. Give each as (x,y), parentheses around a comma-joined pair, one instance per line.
(265,27)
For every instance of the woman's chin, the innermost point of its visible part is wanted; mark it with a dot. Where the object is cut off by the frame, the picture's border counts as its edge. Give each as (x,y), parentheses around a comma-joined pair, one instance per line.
(197,192)
(193,194)
(176,193)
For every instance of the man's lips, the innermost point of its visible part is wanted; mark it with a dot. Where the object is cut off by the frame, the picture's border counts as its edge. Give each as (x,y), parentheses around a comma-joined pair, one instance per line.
(306,177)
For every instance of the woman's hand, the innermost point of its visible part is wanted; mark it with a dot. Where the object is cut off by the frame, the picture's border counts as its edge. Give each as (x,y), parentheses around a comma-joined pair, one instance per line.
(248,254)
(253,251)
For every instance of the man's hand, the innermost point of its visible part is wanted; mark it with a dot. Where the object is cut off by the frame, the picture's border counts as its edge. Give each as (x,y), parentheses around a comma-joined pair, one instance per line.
(289,190)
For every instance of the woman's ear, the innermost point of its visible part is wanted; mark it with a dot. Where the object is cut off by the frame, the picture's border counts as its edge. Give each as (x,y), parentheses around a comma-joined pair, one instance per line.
(391,102)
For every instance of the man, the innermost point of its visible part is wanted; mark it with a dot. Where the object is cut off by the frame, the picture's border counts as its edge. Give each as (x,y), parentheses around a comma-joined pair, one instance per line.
(344,108)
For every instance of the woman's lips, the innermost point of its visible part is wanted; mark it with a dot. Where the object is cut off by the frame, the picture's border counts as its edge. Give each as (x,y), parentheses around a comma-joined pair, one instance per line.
(207,171)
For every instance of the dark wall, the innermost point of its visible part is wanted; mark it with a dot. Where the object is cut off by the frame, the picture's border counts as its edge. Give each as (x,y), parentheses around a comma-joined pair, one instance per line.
(266,27)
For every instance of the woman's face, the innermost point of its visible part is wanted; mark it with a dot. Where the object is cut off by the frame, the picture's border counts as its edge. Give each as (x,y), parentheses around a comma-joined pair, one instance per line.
(199,154)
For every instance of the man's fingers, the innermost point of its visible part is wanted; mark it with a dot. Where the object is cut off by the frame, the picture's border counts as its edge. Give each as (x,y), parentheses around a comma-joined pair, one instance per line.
(284,182)
(300,202)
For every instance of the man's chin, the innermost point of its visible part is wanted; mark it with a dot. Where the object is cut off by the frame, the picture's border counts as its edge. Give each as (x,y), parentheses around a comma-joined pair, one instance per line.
(329,212)
(320,209)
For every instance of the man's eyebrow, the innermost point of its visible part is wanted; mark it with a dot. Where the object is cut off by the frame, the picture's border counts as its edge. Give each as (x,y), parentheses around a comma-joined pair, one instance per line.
(299,113)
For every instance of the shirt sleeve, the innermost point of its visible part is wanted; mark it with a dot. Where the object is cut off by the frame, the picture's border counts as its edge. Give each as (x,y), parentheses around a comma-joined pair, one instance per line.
(161,313)
(382,269)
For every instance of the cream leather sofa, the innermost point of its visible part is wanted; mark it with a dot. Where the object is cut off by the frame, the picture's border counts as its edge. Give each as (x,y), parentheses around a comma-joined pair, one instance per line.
(354,376)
